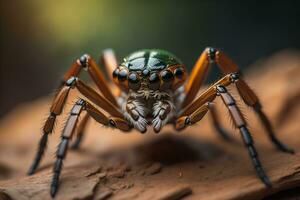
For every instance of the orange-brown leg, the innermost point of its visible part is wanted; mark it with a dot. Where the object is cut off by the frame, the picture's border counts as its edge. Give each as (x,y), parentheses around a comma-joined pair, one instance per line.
(109,61)
(57,107)
(67,134)
(247,94)
(88,63)
(238,120)
(207,96)
(70,129)
(216,123)
(81,131)
(240,123)
(199,107)
(59,100)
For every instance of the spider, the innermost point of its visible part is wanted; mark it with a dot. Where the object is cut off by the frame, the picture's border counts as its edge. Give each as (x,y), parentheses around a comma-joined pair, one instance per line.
(152,88)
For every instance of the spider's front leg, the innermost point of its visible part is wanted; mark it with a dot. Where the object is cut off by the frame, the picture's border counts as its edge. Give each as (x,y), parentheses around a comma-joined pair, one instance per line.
(70,129)
(199,74)
(84,62)
(81,130)
(238,119)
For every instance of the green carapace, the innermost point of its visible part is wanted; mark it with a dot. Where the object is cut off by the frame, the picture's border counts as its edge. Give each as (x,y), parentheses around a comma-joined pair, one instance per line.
(150,59)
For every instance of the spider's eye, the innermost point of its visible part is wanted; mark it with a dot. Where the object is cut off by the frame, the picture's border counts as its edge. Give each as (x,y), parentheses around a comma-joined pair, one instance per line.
(167,76)
(115,73)
(134,81)
(178,72)
(122,75)
(146,73)
(154,81)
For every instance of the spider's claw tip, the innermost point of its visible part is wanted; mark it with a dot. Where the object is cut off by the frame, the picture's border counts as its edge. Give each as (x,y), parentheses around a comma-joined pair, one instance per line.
(289,150)
(53,191)
(284,148)
(267,182)
(75,147)
(31,171)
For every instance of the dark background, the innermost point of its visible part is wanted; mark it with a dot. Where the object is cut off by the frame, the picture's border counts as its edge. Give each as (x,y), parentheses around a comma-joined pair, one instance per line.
(40,39)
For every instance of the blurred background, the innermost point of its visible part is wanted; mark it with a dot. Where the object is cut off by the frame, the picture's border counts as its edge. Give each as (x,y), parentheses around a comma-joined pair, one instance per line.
(40,39)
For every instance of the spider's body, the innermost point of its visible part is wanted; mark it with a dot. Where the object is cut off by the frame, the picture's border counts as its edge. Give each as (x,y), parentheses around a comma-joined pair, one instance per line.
(151,88)
(149,80)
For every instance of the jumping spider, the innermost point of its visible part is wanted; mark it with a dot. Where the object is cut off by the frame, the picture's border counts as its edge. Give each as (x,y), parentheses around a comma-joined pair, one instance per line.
(151,88)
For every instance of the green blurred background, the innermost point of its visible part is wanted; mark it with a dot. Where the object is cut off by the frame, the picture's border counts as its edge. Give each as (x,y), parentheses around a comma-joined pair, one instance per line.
(41,38)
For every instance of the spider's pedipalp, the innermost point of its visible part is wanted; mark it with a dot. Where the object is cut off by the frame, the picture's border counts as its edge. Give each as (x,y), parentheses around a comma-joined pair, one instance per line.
(163,111)
(135,112)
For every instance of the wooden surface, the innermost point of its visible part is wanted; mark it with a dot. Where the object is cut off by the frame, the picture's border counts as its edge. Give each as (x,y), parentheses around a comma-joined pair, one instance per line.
(195,163)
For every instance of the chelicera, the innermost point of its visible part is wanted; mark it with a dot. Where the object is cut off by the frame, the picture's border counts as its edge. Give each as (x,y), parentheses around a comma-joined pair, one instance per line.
(151,88)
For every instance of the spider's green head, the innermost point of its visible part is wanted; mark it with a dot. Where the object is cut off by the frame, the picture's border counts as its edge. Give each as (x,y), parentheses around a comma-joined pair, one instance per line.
(151,68)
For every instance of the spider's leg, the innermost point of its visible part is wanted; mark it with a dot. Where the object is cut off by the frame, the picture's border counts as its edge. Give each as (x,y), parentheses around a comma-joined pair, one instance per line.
(70,129)
(217,125)
(55,110)
(88,63)
(199,74)
(81,131)
(207,96)
(67,134)
(196,78)
(58,105)
(109,61)
(60,98)
(237,117)
(240,123)
(288,106)
(194,117)
(250,98)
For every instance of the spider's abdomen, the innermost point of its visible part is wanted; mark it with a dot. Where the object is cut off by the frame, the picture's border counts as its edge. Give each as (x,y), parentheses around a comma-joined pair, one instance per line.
(151,68)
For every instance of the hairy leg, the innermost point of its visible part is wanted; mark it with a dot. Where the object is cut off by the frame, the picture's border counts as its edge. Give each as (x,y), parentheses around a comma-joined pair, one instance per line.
(57,107)
(70,129)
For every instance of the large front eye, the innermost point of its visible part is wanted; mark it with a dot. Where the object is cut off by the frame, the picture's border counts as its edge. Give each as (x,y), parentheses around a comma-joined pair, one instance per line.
(167,79)
(115,73)
(154,81)
(134,81)
(179,72)
(167,76)
(122,75)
